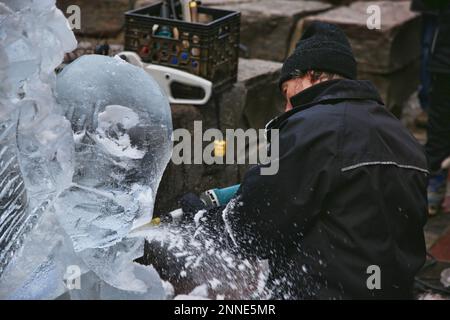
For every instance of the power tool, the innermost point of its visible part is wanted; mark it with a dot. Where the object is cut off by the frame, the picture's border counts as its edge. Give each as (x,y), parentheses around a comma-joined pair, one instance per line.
(166,76)
(211,198)
(218,197)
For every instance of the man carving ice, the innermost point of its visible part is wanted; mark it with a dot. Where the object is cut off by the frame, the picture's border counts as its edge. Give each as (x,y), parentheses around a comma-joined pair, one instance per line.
(350,192)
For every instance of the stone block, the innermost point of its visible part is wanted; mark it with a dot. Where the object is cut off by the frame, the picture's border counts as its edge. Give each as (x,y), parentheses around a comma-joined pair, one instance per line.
(395,88)
(225,2)
(257,89)
(267,25)
(144,3)
(87,47)
(393,47)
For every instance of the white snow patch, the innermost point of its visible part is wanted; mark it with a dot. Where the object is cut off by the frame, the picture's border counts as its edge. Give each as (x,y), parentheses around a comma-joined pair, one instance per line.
(215,283)
(169,289)
(198,216)
(200,291)
(189,297)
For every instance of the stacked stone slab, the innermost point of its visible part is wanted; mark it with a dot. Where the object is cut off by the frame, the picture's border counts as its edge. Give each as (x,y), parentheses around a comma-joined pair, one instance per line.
(389,56)
(267,25)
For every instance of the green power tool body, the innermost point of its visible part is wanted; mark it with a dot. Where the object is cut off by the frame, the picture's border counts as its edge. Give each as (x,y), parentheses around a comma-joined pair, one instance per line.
(219,197)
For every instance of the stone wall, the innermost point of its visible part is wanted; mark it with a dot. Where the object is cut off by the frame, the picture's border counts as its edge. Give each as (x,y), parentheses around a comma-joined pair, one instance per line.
(267,26)
(393,47)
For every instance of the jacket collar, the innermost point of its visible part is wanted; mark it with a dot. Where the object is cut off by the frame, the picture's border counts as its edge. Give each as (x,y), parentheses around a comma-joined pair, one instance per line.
(332,91)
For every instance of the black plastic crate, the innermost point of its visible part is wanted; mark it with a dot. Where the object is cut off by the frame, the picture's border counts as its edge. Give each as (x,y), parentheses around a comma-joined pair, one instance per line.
(209,49)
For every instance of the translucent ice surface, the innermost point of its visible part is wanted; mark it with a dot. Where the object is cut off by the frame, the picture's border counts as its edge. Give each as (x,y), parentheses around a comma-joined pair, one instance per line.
(77,174)
(36,144)
(122,126)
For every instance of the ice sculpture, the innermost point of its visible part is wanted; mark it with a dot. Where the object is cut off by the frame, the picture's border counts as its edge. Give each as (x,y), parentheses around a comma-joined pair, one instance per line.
(122,129)
(69,199)
(36,143)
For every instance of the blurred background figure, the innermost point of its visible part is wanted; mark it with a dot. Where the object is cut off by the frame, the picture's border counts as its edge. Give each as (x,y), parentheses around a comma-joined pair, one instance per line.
(438,144)
(429,25)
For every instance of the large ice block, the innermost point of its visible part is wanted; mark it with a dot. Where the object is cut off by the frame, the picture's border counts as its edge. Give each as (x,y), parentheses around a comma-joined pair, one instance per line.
(122,127)
(36,144)
(71,191)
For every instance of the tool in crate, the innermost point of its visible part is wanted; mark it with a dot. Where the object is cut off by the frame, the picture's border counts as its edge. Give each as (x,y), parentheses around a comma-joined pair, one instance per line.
(166,77)
(187,36)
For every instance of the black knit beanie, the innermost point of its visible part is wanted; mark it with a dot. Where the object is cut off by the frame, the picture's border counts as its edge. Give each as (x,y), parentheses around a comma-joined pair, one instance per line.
(323,47)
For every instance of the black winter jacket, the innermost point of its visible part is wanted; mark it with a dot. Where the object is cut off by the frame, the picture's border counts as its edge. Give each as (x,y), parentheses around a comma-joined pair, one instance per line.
(350,193)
